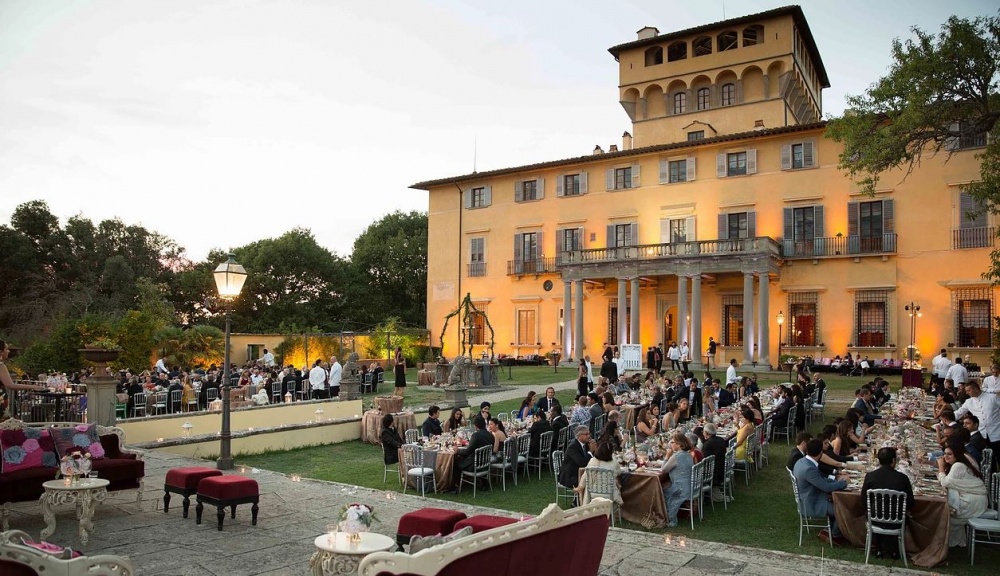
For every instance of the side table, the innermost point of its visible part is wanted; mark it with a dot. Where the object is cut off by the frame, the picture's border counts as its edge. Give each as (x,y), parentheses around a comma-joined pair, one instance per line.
(336,554)
(86,493)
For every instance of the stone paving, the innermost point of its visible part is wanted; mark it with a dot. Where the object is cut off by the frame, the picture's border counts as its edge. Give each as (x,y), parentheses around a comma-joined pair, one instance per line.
(292,514)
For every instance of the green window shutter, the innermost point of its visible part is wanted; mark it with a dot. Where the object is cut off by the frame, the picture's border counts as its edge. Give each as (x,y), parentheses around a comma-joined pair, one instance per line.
(808,155)
(752,161)
(518,244)
(888,216)
(538,245)
(583,182)
(818,221)
(560,241)
(611,237)
(559,185)
(689,165)
(690,234)
(665,231)
(467,198)
(664,172)
(610,179)
(786,156)
(518,191)
(788,230)
(634,233)
(635,176)
(540,188)
(720,165)
(579,237)
(488,195)
(723,226)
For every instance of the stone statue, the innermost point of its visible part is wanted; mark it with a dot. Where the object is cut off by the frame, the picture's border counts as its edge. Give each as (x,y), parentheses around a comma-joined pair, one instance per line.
(351,368)
(455,378)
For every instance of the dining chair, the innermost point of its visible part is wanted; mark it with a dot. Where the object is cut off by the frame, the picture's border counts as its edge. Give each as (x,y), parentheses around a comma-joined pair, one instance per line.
(562,438)
(390,468)
(412,435)
(175,401)
(523,447)
(139,403)
(544,449)
(694,491)
(506,463)
(601,484)
(806,522)
(985,527)
(820,404)
(367,383)
(886,517)
(596,425)
(562,492)
(986,463)
(728,477)
(276,392)
(788,430)
(480,469)
(211,394)
(706,484)
(413,462)
(193,402)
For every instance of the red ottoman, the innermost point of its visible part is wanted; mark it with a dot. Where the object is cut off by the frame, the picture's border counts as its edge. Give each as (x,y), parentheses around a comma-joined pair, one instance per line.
(184,481)
(484,522)
(222,491)
(426,522)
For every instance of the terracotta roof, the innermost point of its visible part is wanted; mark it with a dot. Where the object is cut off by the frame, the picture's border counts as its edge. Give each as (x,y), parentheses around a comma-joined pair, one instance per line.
(794,11)
(428,184)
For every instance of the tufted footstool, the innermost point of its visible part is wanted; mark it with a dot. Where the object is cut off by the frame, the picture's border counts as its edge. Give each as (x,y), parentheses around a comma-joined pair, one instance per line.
(222,491)
(184,481)
(483,522)
(426,522)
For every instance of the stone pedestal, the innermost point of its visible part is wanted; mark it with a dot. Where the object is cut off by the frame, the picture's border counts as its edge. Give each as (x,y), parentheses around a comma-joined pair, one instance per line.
(455,396)
(350,389)
(101,400)
(473,376)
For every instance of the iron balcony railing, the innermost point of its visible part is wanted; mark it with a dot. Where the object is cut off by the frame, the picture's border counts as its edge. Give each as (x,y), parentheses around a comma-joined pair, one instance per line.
(477,269)
(540,265)
(760,245)
(982,237)
(839,246)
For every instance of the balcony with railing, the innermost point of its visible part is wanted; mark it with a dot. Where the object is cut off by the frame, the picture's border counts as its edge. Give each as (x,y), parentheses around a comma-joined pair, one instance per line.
(540,265)
(980,237)
(476,269)
(675,250)
(839,246)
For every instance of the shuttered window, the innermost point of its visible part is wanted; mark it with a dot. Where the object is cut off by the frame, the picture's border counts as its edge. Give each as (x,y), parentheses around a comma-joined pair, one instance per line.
(620,235)
(526,329)
(737,225)
(871,227)
(973,312)
(623,178)
(571,184)
(798,155)
(529,190)
(479,197)
(674,171)
(803,319)
(732,320)
(871,318)
(736,163)
(477,257)
(803,231)
(568,240)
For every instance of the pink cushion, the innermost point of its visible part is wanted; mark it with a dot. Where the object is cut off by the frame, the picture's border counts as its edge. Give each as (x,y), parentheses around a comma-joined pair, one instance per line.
(27,448)
(483,522)
(79,438)
(429,521)
(189,478)
(228,487)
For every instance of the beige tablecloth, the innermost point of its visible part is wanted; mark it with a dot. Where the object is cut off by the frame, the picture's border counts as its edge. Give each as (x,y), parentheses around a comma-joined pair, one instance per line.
(629,414)
(926,529)
(425,378)
(642,496)
(389,404)
(443,463)
(371,425)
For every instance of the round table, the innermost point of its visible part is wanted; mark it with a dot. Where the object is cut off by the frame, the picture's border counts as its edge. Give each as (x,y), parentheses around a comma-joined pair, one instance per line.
(371,425)
(86,493)
(336,554)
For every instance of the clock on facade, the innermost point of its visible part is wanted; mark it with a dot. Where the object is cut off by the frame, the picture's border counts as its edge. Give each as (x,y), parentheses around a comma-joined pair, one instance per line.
(547,285)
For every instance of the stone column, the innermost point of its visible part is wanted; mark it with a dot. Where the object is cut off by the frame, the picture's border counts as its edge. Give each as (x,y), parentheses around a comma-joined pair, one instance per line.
(567,318)
(622,309)
(634,336)
(695,341)
(578,321)
(682,308)
(747,318)
(763,314)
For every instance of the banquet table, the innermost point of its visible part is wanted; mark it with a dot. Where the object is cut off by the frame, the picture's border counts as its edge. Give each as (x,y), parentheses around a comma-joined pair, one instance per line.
(642,497)
(371,424)
(389,404)
(926,528)
(425,378)
(442,461)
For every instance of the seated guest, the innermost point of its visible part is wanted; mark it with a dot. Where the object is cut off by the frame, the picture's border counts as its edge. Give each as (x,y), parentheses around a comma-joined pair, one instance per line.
(779,418)
(466,457)
(454,422)
(376,371)
(577,455)
(595,404)
(727,395)
(863,404)
(527,405)
(799,451)
(603,458)
(695,452)
(648,423)
(391,441)
(484,410)
(679,465)
(746,429)
(581,413)
(612,431)
(559,420)
(966,491)
(188,395)
(715,447)
(886,477)
(432,425)
(548,402)
(608,402)
(539,425)
(841,444)
(495,426)
(976,443)
(175,386)
(814,489)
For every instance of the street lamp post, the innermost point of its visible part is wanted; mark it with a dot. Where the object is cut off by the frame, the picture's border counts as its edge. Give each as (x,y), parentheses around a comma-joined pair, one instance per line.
(914,310)
(781,320)
(229,279)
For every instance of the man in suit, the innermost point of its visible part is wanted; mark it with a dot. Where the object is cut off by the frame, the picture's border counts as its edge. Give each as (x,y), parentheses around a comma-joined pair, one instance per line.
(432,425)
(548,402)
(467,456)
(694,398)
(814,490)
(578,454)
(799,452)
(976,443)
(559,421)
(539,425)
(715,447)
(887,477)
(779,419)
(727,396)
(864,405)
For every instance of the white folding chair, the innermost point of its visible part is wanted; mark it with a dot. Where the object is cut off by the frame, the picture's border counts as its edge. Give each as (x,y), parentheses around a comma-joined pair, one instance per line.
(544,448)
(601,484)
(480,469)
(694,491)
(886,517)
(805,521)
(413,462)
(562,492)
(985,530)
(139,404)
(412,435)
(507,463)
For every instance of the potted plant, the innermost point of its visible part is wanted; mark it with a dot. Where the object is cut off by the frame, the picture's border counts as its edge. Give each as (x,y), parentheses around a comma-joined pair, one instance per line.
(101,350)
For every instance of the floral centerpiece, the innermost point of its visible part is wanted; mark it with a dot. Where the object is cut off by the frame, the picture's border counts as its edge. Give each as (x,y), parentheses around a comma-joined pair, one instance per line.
(74,465)
(356,518)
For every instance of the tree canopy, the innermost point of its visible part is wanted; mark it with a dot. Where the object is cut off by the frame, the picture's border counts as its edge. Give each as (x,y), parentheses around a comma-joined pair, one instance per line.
(941,90)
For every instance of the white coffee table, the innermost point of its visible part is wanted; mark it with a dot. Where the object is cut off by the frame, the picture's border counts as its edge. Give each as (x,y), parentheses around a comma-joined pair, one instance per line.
(86,493)
(336,554)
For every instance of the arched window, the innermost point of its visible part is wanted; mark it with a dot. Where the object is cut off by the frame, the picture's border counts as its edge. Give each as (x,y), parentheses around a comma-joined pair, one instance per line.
(677,51)
(680,102)
(704,98)
(728,41)
(702,46)
(753,35)
(728,94)
(654,56)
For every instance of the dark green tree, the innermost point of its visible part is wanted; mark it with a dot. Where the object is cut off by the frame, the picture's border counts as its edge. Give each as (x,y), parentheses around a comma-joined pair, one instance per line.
(940,90)
(390,260)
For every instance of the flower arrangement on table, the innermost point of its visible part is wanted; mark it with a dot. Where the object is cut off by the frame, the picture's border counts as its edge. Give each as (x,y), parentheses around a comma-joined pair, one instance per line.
(74,465)
(356,517)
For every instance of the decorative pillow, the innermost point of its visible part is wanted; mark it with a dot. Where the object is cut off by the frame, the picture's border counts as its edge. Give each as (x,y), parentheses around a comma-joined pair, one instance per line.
(79,438)
(27,448)
(53,549)
(418,543)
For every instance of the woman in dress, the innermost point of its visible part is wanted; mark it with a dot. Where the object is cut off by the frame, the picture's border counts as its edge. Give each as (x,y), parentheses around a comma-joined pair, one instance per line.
(708,403)
(966,491)
(188,394)
(679,464)
(754,405)
(603,458)
(746,429)
(649,423)
(581,379)
(609,402)
(527,406)
(391,441)
(7,383)
(499,435)
(456,421)
(841,444)
(399,366)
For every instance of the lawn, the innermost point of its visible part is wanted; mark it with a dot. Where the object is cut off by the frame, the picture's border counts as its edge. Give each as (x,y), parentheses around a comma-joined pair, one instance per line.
(763,515)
